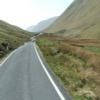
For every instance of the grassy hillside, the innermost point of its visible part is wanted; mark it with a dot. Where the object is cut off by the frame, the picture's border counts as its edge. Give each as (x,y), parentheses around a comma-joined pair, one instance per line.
(76,62)
(11,37)
(73,53)
(81,20)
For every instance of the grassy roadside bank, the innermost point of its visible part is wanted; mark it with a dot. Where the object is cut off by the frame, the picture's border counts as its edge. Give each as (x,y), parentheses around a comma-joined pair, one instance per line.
(11,37)
(4,57)
(75,64)
(7,47)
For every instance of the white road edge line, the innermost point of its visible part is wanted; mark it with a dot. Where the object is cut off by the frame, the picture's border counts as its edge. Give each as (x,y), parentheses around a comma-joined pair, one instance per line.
(49,76)
(9,56)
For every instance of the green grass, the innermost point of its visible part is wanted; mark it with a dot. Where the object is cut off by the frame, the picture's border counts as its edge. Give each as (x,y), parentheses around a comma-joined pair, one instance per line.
(69,68)
(12,37)
(93,49)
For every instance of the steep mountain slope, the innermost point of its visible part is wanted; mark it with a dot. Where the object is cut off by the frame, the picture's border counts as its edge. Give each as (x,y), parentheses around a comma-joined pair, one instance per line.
(42,25)
(73,53)
(81,19)
(11,37)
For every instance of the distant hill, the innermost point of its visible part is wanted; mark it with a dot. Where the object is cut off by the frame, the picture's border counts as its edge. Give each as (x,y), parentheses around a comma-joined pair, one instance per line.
(11,36)
(81,20)
(42,25)
(30,29)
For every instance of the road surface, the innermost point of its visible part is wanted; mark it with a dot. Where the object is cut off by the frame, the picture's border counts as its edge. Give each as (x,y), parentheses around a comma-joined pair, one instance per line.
(24,77)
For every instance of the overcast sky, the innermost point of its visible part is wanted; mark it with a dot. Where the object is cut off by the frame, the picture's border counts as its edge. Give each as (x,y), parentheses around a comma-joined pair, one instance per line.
(25,13)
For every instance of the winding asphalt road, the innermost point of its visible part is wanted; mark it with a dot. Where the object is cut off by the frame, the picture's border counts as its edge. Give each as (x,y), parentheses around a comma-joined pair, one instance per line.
(23,76)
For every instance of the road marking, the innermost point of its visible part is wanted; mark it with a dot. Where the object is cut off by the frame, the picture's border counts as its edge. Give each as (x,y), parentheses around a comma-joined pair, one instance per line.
(9,56)
(49,76)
